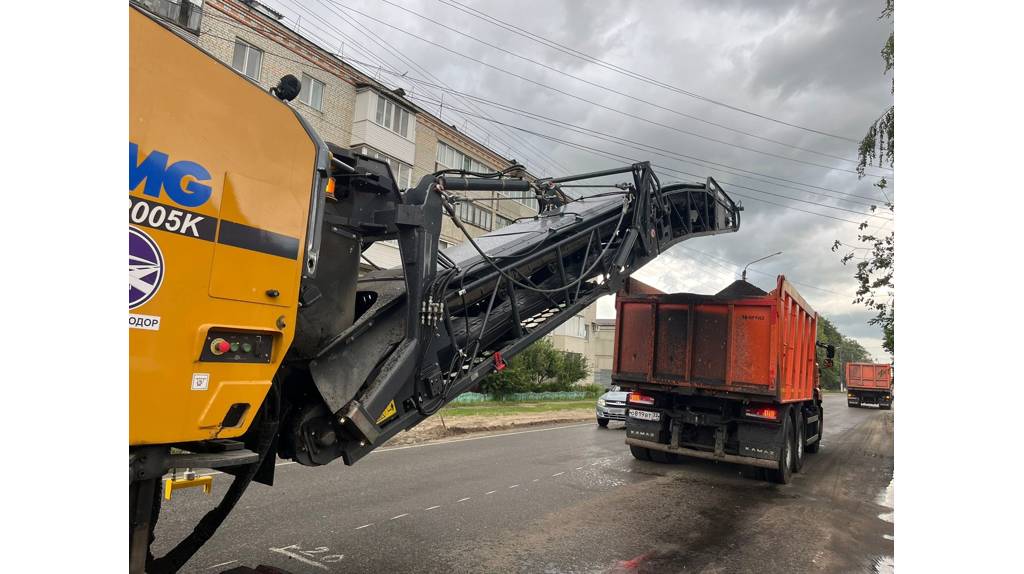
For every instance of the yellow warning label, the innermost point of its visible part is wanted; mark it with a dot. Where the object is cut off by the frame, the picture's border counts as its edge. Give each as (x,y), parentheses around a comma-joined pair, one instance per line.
(389,411)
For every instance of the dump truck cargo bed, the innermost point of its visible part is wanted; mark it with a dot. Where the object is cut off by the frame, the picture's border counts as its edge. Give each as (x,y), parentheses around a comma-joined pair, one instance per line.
(868,376)
(754,344)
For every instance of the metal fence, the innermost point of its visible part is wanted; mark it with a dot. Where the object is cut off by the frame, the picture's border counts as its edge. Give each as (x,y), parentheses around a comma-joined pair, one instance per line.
(521,397)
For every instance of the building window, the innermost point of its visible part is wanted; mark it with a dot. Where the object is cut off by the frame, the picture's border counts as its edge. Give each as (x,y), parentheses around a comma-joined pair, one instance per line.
(500,221)
(575,327)
(401,171)
(451,158)
(247,59)
(527,198)
(184,13)
(472,214)
(312,92)
(392,116)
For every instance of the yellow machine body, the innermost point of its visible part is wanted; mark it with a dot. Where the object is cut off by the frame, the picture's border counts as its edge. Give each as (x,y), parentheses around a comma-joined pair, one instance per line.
(221,176)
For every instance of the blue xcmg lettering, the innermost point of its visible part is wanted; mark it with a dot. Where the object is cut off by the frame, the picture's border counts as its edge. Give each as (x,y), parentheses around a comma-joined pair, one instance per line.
(154,171)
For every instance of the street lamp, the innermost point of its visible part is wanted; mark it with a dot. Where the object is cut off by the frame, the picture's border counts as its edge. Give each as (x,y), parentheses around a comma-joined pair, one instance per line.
(755,261)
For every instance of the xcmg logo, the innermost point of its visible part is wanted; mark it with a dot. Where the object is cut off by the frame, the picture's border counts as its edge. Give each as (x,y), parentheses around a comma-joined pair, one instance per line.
(182,181)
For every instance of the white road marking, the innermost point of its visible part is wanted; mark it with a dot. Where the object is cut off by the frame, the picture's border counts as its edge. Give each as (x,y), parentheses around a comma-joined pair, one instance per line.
(221,564)
(298,557)
(491,492)
(463,500)
(514,486)
(433,507)
(399,516)
(536,479)
(364,526)
(579,467)
(440,442)
(557,474)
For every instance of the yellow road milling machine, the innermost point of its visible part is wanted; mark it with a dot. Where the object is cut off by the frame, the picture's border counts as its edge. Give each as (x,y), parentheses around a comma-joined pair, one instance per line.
(252,336)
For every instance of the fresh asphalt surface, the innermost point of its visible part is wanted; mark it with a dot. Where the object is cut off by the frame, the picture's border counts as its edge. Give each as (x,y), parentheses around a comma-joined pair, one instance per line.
(566,498)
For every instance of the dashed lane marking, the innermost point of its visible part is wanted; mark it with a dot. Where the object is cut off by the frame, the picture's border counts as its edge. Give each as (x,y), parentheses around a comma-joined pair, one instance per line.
(441,442)
(433,507)
(364,526)
(399,516)
(298,557)
(463,500)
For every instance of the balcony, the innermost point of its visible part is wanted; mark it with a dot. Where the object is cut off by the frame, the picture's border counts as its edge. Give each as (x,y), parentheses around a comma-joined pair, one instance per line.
(184,13)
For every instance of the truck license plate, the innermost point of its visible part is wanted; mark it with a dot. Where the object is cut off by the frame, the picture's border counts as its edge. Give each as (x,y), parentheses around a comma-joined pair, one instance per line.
(644,415)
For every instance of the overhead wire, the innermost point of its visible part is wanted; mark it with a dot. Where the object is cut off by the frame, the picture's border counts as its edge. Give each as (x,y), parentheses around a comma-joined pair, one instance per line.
(398,54)
(580,129)
(533,36)
(594,151)
(383,66)
(535,82)
(609,89)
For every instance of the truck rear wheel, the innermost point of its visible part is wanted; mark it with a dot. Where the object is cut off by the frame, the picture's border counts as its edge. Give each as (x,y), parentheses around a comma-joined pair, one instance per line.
(640,453)
(783,472)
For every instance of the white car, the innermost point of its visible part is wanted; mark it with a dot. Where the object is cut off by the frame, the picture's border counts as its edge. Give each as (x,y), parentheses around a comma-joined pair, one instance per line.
(611,406)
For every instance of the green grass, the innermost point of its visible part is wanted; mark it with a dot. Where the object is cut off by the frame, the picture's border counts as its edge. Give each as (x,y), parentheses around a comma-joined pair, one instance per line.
(502,408)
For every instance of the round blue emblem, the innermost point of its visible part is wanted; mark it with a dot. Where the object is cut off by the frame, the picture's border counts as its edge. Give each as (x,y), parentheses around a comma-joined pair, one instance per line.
(145,267)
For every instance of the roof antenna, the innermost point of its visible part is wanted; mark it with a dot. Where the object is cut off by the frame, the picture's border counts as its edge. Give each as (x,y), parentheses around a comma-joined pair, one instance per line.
(755,261)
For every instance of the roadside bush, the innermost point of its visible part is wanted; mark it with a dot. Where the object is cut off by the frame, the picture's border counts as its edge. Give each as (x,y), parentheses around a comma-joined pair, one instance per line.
(593,391)
(538,369)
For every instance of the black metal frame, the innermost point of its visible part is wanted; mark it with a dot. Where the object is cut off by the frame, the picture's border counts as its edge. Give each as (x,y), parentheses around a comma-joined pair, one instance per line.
(432,329)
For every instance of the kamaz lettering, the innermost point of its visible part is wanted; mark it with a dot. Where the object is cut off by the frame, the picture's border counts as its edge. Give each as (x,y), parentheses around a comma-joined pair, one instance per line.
(154,171)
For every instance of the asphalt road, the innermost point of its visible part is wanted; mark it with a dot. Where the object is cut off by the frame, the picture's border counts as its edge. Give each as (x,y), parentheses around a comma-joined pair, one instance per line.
(560,499)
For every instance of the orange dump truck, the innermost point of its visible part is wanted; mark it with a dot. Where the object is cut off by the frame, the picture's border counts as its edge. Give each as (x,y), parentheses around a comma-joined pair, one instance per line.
(869,384)
(729,377)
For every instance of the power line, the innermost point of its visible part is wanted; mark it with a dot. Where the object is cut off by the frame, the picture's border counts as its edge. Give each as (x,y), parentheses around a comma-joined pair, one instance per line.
(591,102)
(579,129)
(617,157)
(307,62)
(594,151)
(636,75)
(675,155)
(559,140)
(612,90)
(738,266)
(384,44)
(544,165)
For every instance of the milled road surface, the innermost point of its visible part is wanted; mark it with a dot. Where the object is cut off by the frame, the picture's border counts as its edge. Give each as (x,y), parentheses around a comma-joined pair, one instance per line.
(566,498)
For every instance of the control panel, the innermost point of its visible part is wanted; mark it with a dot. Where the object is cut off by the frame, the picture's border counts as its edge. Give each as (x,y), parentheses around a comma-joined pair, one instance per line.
(237,347)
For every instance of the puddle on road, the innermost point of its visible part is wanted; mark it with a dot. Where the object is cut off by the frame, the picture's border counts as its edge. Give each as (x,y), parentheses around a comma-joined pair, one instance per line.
(886,498)
(883,565)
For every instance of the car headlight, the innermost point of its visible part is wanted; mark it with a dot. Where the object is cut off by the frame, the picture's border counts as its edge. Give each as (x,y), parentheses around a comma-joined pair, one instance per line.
(600,402)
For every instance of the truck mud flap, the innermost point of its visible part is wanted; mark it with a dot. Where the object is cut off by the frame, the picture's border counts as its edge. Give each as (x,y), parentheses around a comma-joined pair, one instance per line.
(759,441)
(653,431)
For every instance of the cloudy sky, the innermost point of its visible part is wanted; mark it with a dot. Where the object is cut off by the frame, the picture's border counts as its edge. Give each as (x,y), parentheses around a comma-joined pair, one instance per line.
(812,64)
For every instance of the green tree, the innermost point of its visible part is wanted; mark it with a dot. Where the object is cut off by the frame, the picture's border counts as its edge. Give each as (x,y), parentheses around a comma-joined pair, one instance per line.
(876,254)
(847,351)
(540,367)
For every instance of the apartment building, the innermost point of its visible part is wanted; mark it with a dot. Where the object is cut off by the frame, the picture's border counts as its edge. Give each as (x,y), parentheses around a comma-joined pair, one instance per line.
(352,109)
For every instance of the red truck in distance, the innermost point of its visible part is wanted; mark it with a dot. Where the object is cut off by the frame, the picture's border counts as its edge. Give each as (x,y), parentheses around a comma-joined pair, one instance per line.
(869,384)
(729,377)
